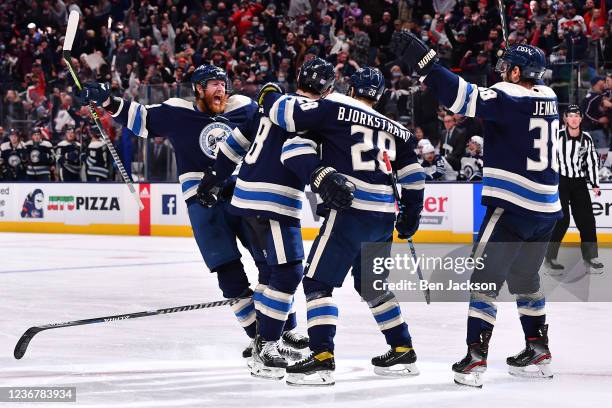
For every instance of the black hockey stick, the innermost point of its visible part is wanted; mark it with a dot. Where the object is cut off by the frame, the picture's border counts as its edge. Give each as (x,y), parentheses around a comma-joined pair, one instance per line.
(426,292)
(71,29)
(24,341)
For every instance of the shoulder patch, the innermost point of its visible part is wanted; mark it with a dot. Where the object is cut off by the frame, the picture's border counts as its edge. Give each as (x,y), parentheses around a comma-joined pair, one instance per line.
(236,102)
(179,103)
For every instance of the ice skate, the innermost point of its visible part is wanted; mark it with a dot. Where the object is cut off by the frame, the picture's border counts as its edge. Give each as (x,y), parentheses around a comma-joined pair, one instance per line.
(470,370)
(534,360)
(267,361)
(397,362)
(314,370)
(593,266)
(552,267)
(292,338)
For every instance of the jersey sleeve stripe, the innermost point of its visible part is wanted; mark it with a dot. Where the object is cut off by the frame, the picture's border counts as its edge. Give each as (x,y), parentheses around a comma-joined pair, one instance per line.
(296,151)
(230,153)
(240,139)
(461,91)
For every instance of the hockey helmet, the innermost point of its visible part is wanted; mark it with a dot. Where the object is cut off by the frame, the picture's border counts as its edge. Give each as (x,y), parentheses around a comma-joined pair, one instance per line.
(316,75)
(368,83)
(478,140)
(573,109)
(531,60)
(207,72)
(428,148)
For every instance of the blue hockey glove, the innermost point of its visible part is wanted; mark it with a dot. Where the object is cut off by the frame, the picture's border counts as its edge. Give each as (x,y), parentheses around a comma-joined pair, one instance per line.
(208,189)
(93,91)
(334,188)
(270,87)
(412,53)
(407,222)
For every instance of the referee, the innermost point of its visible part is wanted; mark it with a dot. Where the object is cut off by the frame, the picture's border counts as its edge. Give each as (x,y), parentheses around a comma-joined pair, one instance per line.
(578,165)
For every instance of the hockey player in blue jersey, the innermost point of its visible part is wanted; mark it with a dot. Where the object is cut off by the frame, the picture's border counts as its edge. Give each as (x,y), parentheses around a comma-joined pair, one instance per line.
(195,130)
(350,176)
(520,183)
(269,196)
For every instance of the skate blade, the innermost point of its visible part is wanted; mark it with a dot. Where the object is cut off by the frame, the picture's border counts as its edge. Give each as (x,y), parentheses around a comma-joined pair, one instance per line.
(531,371)
(269,373)
(592,271)
(398,370)
(317,379)
(250,362)
(473,379)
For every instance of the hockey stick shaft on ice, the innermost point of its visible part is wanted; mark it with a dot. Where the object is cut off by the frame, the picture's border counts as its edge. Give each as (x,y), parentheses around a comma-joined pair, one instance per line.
(73,24)
(392,177)
(24,341)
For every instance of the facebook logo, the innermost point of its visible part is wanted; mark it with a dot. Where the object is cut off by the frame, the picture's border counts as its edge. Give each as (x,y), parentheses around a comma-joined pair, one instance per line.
(168,204)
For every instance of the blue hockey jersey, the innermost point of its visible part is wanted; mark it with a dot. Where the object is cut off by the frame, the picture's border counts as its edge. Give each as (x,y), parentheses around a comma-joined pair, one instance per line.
(353,137)
(264,187)
(520,172)
(194,135)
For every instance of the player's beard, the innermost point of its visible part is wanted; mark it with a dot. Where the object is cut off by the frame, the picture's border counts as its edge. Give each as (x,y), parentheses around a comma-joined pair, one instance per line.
(215,103)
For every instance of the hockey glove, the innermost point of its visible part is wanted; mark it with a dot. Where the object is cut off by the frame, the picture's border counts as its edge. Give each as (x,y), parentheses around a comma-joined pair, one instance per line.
(334,188)
(268,88)
(407,222)
(412,53)
(208,189)
(93,91)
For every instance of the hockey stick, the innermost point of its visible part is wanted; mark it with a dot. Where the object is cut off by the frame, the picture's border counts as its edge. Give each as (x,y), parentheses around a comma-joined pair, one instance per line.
(426,292)
(502,17)
(24,341)
(73,23)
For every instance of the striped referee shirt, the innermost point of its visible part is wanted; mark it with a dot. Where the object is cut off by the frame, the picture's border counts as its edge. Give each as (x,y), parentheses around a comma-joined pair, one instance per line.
(578,157)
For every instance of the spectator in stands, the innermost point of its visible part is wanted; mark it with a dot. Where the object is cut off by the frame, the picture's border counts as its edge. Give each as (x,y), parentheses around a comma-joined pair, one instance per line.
(160,160)
(452,145)
(595,113)
(425,113)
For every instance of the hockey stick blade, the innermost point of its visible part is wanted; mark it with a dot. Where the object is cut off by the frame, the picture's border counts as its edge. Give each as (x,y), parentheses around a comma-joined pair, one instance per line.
(71,29)
(24,341)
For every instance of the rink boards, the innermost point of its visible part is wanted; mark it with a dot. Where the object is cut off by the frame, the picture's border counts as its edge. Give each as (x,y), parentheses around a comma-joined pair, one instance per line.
(452,211)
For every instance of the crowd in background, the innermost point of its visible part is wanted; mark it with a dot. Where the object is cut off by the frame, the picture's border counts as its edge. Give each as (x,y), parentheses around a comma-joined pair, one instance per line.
(147,49)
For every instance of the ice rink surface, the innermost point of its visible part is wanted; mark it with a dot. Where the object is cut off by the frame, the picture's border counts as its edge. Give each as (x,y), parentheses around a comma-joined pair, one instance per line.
(193,359)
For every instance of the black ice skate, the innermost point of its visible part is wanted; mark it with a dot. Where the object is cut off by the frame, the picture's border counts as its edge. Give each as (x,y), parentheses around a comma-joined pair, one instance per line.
(316,369)
(295,340)
(397,362)
(553,268)
(534,360)
(267,361)
(469,370)
(291,345)
(593,266)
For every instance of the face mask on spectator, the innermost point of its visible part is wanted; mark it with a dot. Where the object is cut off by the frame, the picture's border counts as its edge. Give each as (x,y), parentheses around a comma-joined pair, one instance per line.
(263,68)
(342,37)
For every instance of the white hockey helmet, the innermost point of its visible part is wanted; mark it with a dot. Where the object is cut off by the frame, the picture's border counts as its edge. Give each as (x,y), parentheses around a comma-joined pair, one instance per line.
(428,148)
(478,140)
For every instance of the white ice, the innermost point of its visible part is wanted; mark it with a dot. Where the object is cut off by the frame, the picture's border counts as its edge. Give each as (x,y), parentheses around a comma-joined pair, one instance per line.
(192,359)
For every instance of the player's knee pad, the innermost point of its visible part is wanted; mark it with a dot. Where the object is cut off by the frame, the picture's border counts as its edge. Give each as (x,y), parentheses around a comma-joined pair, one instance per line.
(286,277)
(482,306)
(264,272)
(232,279)
(531,304)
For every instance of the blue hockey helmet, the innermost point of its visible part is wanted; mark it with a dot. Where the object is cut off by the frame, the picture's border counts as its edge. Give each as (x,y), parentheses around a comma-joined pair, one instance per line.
(316,75)
(368,83)
(207,72)
(531,60)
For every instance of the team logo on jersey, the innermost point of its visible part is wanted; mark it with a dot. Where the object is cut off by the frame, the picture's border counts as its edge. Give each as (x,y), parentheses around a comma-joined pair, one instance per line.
(14,160)
(211,136)
(35,156)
